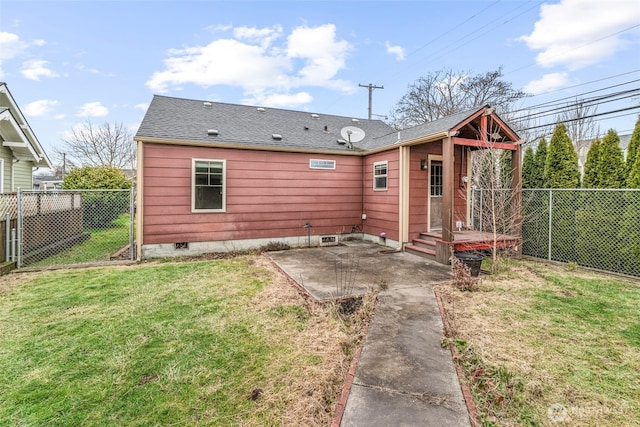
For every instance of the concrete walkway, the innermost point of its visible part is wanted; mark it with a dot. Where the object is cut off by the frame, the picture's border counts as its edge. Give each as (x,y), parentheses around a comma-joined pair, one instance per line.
(404,376)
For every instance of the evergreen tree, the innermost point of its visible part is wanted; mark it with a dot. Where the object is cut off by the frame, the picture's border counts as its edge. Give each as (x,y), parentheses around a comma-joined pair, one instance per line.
(633,149)
(633,181)
(541,160)
(590,179)
(528,168)
(611,167)
(561,167)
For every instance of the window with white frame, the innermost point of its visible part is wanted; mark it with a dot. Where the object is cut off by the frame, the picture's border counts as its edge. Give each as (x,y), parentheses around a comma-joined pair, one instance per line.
(380,175)
(209,180)
(322,164)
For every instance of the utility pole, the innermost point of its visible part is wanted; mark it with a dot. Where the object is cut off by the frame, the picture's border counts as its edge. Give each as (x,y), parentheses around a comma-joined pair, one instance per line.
(371,88)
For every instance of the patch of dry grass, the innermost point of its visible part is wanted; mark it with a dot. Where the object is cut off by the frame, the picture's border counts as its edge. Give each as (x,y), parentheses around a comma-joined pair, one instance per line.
(541,336)
(213,342)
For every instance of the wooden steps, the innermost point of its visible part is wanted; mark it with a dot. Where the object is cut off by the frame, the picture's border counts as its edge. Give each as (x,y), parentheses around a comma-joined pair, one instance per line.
(424,246)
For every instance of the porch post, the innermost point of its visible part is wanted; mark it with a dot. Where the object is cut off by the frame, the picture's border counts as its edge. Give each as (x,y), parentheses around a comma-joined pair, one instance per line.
(516,191)
(403,226)
(442,250)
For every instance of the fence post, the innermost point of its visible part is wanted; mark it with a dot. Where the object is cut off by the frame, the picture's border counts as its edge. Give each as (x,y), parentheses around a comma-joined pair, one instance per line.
(7,234)
(132,213)
(481,212)
(473,203)
(550,221)
(19,228)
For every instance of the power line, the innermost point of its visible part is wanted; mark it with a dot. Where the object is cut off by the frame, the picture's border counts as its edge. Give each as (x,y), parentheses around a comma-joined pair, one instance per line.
(585,83)
(557,101)
(580,102)
(635,107)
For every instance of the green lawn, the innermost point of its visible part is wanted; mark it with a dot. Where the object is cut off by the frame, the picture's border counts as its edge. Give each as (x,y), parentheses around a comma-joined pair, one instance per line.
(540,336)
(221,343)
(103,243)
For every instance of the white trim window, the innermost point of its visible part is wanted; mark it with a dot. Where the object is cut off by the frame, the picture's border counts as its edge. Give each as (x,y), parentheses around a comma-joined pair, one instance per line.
(381,176)
(208,190)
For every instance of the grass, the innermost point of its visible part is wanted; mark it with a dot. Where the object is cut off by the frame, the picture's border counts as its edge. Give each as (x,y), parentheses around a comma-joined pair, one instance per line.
(221,343)
(103,243)
(537,337)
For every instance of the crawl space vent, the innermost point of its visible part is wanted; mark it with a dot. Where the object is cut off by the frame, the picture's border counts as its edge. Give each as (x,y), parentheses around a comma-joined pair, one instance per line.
(329,240)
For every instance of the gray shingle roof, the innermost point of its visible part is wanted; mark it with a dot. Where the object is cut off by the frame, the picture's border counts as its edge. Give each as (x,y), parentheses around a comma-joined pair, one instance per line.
(179,119)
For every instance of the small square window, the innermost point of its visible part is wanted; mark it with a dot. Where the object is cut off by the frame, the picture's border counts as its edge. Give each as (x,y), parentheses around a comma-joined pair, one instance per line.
(380,175)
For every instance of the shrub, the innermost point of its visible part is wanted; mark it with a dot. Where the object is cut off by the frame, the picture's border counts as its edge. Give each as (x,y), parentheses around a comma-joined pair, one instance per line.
(100,207)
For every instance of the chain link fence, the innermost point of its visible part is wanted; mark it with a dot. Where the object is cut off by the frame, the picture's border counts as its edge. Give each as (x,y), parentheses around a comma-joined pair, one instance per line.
(596,228)
(67,227)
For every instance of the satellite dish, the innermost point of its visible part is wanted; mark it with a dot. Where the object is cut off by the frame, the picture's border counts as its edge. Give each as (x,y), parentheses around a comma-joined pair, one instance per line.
(352,133)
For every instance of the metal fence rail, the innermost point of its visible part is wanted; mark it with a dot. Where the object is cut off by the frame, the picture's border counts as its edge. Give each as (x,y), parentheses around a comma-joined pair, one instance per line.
(67,226)
(597,228)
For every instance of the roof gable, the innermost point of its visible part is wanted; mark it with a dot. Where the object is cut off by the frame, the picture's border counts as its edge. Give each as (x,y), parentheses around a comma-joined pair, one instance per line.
(16,132)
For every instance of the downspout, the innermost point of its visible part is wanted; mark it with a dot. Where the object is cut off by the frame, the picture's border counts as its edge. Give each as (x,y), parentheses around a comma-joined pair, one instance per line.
(403,217)
(139,208)
(362,177)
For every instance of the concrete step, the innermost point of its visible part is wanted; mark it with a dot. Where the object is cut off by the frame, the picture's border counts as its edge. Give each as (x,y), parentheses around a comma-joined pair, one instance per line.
(421,251)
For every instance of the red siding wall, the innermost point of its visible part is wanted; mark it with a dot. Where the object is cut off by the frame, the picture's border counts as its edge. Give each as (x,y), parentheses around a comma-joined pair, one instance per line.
(382,207)
(419,187)
(268,194)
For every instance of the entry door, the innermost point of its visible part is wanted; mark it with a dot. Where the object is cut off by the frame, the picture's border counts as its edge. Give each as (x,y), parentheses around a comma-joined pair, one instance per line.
(435,195)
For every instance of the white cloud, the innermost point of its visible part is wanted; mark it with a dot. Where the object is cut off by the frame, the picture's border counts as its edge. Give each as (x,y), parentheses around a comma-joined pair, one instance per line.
(398,51)
(547,83)
(264,69)
(577,33)
(40,107)
(93,109)
(39,42)
(143,107)
(10,45)
(34,69)
(261,36)
(279,100)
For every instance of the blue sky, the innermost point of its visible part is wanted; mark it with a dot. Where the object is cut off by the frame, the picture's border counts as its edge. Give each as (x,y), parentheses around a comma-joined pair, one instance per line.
(66,62)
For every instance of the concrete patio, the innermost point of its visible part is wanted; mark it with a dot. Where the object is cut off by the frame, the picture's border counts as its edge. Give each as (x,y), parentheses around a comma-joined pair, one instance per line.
(404,377)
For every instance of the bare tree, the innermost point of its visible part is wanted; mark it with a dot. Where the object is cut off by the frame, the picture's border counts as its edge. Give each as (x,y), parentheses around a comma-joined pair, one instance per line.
(447,92)
(108,144)
(498,208)
(578,118)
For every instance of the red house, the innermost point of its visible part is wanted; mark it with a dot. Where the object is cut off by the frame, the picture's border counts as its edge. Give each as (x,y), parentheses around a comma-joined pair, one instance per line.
(218,177)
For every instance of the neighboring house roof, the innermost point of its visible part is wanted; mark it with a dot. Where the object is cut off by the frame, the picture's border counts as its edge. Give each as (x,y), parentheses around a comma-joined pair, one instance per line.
(16,133)
(179,120)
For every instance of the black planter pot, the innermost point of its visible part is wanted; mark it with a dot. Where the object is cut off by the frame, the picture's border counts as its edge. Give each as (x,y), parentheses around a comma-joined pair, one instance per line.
(473,261)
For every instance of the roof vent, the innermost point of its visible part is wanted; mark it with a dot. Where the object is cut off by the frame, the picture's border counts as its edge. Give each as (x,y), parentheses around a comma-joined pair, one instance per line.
(341,141)
(212,132)
(315,116)
(355,120)
(276,136)
(207,104)
(260,109)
